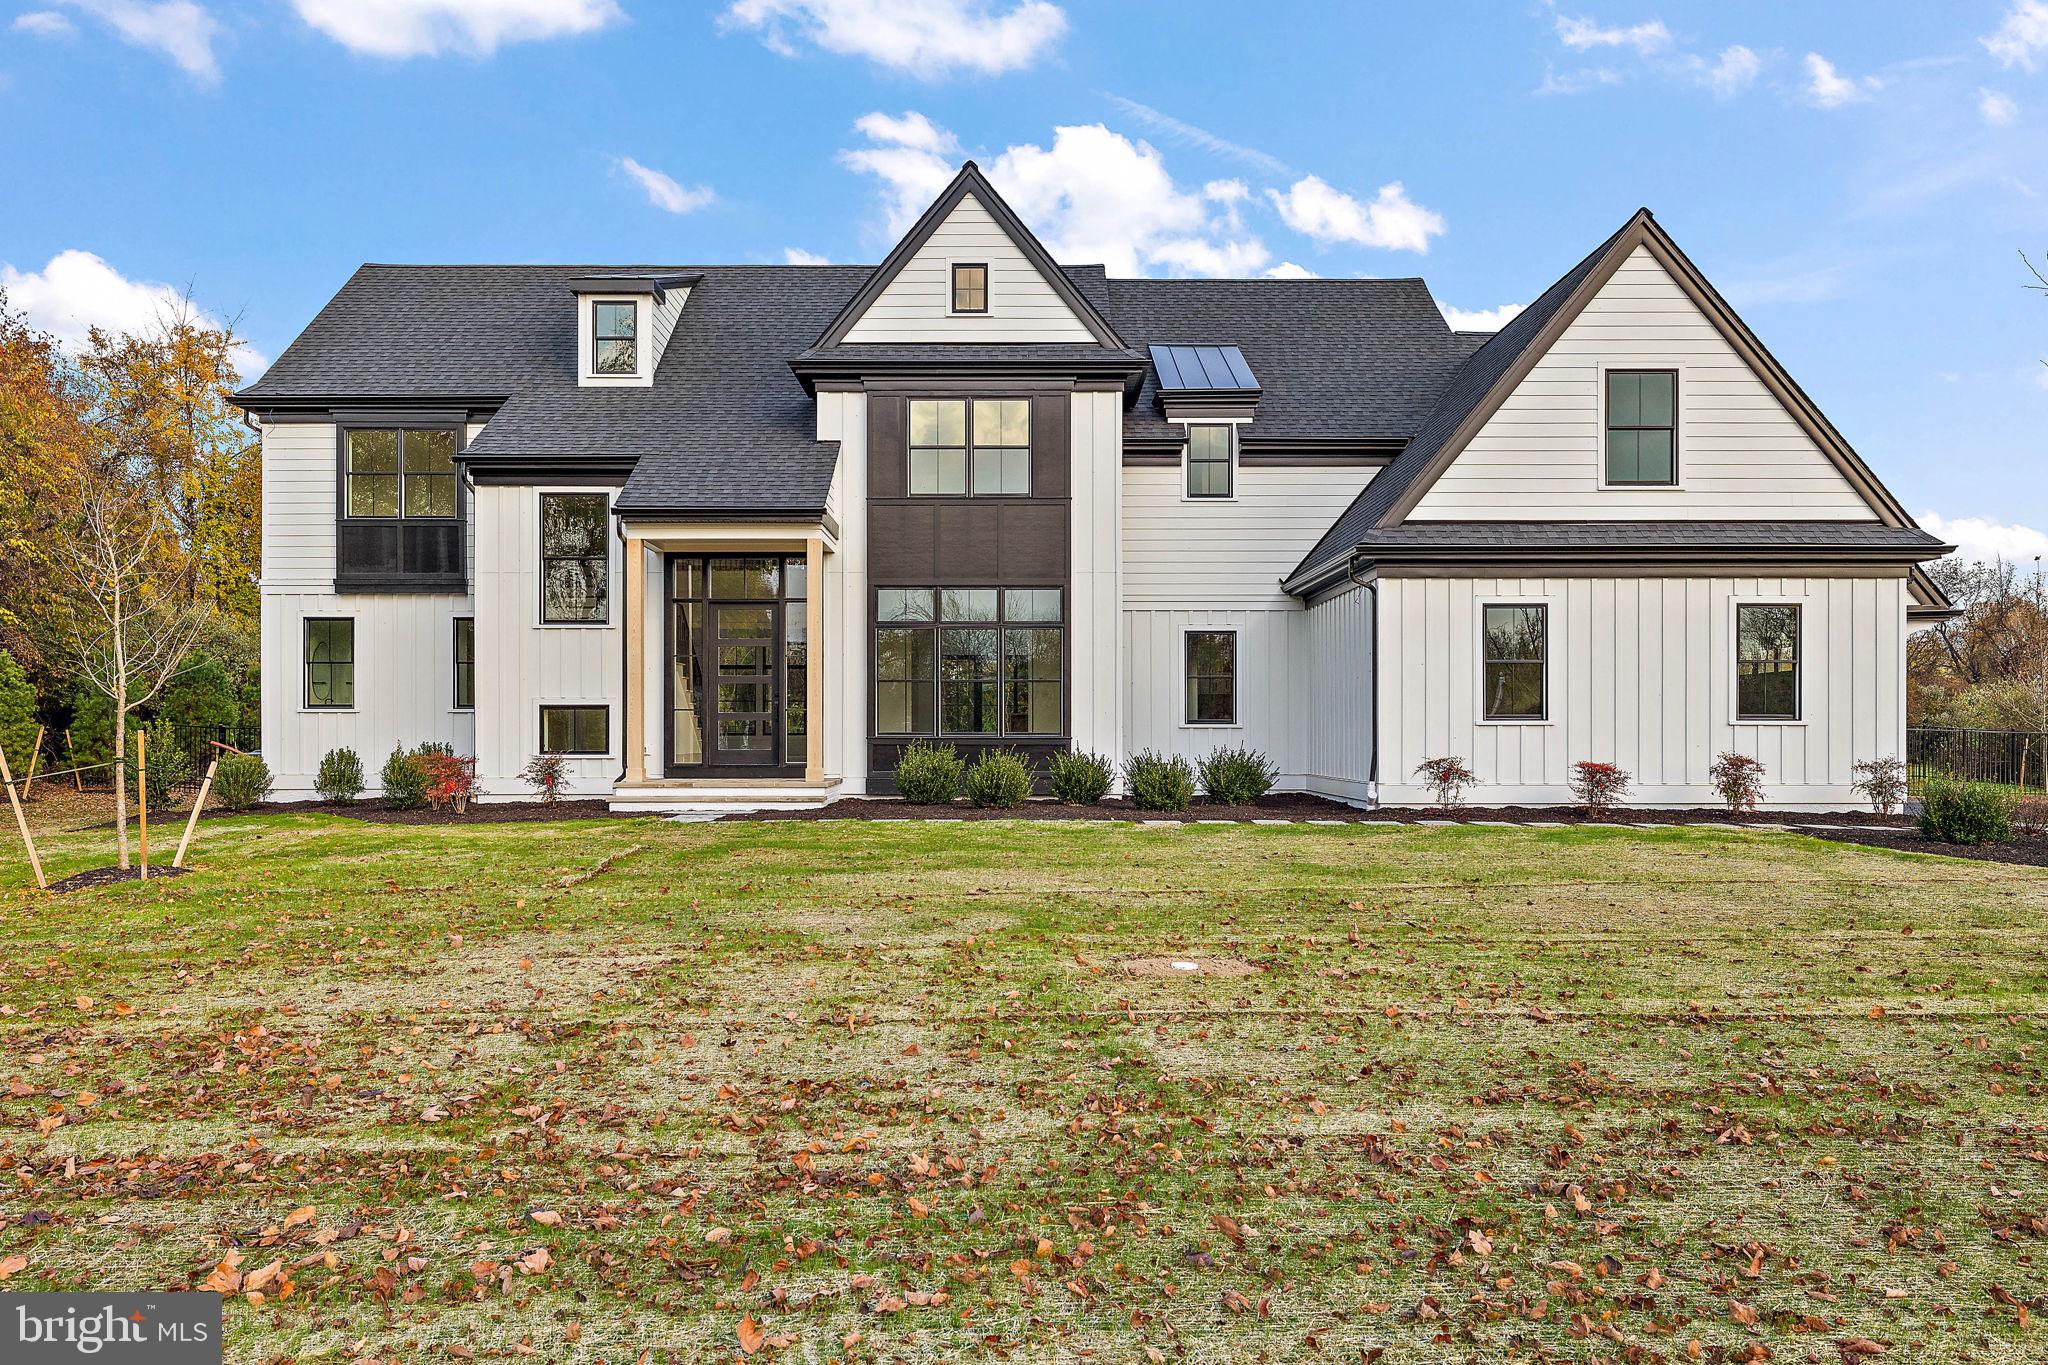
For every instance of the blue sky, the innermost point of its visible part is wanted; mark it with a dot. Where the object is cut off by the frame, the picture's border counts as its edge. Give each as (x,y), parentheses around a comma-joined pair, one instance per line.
(1860,180)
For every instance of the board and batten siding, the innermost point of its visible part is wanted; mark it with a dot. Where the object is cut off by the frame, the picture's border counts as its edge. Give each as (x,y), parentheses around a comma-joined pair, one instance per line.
(1741,455)
(1095,656)
(1337,722)
(916,305)
(1216,564)
(404,642)
(843,417)
(523,664)
(1641,674)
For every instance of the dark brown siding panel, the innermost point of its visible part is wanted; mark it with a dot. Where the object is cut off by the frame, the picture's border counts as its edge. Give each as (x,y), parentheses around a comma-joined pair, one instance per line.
(888,418)
(970,542)
(1034,543)
(900,541)
(1051,450)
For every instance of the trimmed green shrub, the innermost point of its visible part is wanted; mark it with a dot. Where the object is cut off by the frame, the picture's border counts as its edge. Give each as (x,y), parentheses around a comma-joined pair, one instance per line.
(1160,782)
(999,780)
(1080,779)
(168,764)
(928,774)
(1236,777)
(1965,812)
(17,714)
(404,780)
(241,781)
(340,777)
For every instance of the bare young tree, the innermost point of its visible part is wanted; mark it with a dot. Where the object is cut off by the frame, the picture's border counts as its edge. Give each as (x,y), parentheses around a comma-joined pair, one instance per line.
(132,624)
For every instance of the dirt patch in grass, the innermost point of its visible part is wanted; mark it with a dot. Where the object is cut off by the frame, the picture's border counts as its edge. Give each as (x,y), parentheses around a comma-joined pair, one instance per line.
(1187,966)
(107,876)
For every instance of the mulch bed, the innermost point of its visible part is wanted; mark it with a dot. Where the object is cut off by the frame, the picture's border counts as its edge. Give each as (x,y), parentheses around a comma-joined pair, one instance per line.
(479,812)
(107,876)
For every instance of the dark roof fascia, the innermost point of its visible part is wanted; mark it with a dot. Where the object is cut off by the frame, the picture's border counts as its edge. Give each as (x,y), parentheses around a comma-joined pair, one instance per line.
(970,180)
(811,370)
(657,285)
(682,512)
(514,469)
(323,406)
(1933,603)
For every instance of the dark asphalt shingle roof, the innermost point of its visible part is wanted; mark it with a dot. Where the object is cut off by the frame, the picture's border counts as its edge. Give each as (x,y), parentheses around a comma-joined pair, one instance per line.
(1650,536)
(1468,385)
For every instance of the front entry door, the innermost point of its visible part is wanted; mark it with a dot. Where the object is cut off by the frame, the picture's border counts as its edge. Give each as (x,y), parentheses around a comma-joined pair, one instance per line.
(745,644)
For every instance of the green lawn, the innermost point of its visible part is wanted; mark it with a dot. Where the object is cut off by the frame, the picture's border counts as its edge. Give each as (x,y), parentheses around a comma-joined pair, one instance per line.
(894,1091)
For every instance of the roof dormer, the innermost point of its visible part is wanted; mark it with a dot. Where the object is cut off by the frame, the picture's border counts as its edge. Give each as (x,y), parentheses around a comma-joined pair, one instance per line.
(623,322)
(1204,382)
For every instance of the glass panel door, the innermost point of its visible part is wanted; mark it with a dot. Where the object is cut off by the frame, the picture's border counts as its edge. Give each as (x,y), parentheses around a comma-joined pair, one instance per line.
(744,652)
(739,663)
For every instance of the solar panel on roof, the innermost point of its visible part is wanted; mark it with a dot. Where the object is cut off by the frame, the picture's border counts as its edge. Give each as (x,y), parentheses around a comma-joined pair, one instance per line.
(1201,368)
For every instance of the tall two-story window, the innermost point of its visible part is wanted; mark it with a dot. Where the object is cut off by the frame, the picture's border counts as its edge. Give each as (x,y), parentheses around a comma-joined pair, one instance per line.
(970,288)
(400,473)
(1642,428)
(1209,461)
(615,337)
(1767,662)
(944,461)
(1515,662)
(575,558)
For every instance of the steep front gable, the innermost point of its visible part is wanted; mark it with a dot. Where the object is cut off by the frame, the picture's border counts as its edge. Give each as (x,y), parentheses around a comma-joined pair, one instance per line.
(1741,455)
(1029,299)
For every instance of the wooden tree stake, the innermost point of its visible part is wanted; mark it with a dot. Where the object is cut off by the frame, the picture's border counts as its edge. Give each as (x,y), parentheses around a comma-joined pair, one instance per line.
(142,793)
(35,755)
(71,752)
(28,840)
(192,821)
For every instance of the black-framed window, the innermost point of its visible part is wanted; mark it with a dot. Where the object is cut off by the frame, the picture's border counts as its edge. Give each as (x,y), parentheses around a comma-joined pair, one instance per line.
(1211,677)
(580,730)
(391,473)
(465,663)
(615,337)
(330,661)
(1515,653)
(1767,661)
(979,446)
(970,287)
(1642,428)
(970,661)
(1209,461)
(575,558)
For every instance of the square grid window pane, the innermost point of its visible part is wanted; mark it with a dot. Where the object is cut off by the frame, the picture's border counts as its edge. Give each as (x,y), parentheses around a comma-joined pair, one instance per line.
(1211,677)
(970,288)
(615,329)
(1516,647)
(1209,461)
(1767,662)
(373,473)
(429,473)
(1642,427)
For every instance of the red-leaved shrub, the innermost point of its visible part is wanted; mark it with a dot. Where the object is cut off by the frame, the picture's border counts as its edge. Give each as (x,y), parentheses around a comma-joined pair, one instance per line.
(1599,786)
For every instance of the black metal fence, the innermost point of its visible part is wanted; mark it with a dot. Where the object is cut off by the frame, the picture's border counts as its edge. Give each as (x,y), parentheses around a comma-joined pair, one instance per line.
(2013,758)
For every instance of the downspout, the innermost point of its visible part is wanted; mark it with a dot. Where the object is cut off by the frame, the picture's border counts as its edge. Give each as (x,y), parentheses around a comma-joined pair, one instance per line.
(625,682)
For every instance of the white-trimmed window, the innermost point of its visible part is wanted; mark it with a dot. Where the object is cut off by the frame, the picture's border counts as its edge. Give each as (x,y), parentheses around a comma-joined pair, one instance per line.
(970,287)
(1211,460)
(575,559)
(1767,665)
(615,337)
(1211,666)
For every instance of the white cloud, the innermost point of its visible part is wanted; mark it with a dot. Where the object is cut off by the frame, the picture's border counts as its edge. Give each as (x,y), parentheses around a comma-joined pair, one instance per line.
(44,23)
(1827,88)
(1998,110)
(931,39)
(1391,221)
(1581,35)
(1556,82)
(77,291)
(1198,137)
(1980,538)
(1733,72)
(796,255)
(2023,37)
(1479,319)
(1288,270)
(1093,196)
(426,28)
(179,29)
(663,191)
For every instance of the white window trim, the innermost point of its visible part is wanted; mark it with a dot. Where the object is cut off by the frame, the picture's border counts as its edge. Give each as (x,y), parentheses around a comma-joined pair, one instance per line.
(987,265)
(643,341)
(1679,435)
(1236,634)
(1236,468)
(1734,661)
(1552,697)
(613,605)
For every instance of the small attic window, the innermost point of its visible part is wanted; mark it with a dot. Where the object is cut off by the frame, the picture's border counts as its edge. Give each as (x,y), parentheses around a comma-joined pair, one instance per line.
(970,288)
(615,337)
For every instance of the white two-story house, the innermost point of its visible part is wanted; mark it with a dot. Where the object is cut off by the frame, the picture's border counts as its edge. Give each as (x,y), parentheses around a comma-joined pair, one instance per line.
(740,533)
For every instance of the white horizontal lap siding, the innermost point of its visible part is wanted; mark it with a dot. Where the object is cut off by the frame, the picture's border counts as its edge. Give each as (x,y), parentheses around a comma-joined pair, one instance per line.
(1741,455)
(1196,564)
(1022,305)
(1337,752)
(1641,674)
(523,665)
(404,642)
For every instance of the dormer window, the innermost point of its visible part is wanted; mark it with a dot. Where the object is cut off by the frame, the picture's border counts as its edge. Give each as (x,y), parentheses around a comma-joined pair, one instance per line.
(970,287)
(615,335)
